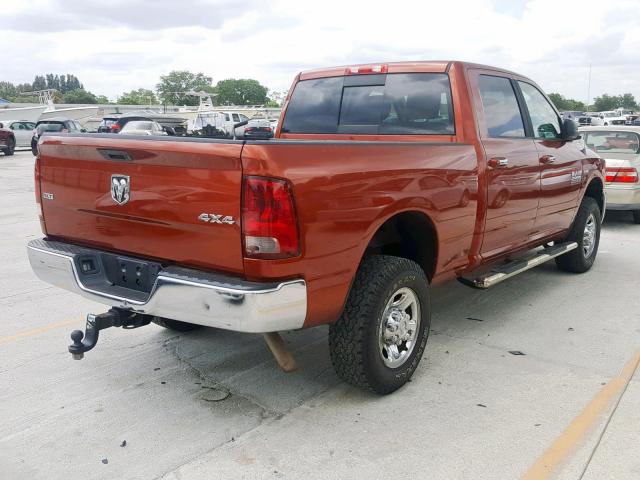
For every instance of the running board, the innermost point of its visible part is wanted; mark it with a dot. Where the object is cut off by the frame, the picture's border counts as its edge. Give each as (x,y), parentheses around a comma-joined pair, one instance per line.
(514,267)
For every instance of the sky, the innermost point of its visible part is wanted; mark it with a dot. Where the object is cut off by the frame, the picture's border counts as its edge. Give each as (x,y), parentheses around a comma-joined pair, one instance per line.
(119,45)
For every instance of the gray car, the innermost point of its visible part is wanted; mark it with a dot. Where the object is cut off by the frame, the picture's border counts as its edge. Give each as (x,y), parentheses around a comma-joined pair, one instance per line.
(22,130)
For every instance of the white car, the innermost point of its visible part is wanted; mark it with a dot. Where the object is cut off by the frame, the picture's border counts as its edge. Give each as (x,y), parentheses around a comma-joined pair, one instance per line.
(615,117)
(22,130)
(620,147)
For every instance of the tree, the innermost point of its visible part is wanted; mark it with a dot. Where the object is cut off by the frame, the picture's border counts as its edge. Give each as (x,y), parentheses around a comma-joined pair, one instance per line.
(564,104)
(79,95)
(628,101)
(101,99)
(175,86)
(243,91)
(611,102)
(276,99)
(141,96)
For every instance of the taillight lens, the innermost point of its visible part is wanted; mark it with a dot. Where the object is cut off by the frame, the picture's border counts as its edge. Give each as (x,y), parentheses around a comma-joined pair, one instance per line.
(38,191)
(622,175)
(269,225)
(115,128)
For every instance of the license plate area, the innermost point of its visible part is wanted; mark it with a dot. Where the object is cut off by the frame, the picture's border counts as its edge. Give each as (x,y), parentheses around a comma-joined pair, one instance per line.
(130,273)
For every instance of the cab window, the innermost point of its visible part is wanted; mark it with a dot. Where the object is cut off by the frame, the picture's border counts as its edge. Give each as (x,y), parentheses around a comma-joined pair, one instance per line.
(500,106)
(544,119)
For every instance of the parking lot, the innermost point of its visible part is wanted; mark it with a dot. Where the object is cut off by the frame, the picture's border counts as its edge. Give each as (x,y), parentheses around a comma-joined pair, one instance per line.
(537,374)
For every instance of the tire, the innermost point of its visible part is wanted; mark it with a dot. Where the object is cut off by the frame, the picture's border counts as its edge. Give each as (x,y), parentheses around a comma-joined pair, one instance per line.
(175,324)
(582,258)
(34,150)
(11,147)
(636,216)
(356,340)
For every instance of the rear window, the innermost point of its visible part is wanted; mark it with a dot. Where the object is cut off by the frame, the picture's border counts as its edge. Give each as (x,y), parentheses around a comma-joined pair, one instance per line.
(50,127)
(613,142)
(393,104)
(138,126)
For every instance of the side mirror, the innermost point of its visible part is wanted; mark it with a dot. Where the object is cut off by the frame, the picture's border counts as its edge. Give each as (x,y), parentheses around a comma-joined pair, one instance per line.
(569,130)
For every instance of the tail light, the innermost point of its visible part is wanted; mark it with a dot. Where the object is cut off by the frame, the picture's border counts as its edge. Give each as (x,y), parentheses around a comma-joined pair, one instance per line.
(38,191)
(115,128)
(364,69)
(622,175)
(269,224)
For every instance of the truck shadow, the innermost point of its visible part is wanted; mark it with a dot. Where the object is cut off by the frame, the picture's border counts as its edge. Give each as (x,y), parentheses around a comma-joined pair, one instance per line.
(243,364)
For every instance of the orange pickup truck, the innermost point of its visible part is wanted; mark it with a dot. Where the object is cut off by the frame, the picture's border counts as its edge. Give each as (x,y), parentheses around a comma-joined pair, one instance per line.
(381,181)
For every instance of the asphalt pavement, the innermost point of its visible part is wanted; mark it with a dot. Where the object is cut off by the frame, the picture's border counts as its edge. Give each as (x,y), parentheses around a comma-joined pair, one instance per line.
(534,378)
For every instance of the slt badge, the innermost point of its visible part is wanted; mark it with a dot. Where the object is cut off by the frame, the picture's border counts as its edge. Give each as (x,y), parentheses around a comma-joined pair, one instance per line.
(120,188)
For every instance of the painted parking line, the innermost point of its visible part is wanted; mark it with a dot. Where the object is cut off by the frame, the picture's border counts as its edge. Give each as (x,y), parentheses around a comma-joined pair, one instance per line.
(565,444)
(37,331)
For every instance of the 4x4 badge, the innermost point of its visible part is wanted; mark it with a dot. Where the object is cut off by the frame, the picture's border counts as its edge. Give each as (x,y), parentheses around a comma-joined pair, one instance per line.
(120,188)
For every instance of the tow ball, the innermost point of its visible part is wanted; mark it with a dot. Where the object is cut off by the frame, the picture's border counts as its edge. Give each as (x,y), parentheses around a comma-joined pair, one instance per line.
(83,342)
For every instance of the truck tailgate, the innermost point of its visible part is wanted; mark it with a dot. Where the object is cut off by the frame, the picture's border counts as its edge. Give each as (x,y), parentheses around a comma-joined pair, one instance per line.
(171,184)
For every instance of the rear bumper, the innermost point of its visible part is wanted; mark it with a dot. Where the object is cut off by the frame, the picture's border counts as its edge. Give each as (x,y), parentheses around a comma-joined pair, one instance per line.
(183,294)
(622,197)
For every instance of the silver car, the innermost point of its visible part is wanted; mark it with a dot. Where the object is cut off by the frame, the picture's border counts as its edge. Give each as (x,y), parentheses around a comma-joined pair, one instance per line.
(142,127)
(620,147)
(22,130)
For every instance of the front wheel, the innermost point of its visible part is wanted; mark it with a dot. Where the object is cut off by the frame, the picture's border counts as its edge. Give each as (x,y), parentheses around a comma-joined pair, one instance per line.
(379,340)
(586,233)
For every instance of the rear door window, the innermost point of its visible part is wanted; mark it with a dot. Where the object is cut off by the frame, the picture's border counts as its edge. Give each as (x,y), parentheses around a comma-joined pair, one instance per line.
(502,114)
(393,104)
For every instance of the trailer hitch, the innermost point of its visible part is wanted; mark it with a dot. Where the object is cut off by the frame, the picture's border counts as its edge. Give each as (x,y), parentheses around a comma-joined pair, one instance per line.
(83,342)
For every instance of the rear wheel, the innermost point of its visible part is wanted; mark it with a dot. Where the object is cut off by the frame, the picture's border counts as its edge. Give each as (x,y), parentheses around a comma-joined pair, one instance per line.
(586,233)
(379,340)
(10,148)
(175,324)
(636,216)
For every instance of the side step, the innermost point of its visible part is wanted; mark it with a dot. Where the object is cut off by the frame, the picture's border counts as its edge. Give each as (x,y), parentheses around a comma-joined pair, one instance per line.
(514,267)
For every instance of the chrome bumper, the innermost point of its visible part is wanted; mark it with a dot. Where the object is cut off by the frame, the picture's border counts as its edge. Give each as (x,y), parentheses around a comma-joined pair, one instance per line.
(182,294)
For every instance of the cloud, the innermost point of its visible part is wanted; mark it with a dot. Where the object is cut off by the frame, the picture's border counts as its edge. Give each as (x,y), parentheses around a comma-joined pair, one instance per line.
(120,45)
(64,15)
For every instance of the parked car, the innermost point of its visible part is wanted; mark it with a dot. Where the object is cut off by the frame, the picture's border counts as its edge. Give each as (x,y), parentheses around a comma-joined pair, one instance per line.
(259,129)
(113,124)
(590,119)
(7,140)
(620,147)
(613,118)
(53,125)
(376,187)
(572,114)
(142,127)
(22,130)
(109,125)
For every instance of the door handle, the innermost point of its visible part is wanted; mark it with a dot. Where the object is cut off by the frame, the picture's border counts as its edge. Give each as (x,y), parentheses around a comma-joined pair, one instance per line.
(547,159)
(498,162)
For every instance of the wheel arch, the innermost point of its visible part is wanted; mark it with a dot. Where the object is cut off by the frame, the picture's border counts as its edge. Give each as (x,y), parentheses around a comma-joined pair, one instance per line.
(595,190)
(408,234)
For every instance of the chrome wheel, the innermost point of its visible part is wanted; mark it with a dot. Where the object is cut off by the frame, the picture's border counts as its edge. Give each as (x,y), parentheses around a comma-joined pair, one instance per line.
(399,327)
(589,236)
